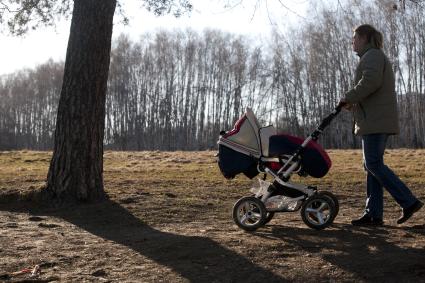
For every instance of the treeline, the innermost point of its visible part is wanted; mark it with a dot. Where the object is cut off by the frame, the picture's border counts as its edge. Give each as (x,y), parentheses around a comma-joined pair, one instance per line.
(177,90)
(28,104)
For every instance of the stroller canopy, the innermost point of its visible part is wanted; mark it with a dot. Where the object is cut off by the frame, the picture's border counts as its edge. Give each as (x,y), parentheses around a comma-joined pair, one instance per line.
(244,135)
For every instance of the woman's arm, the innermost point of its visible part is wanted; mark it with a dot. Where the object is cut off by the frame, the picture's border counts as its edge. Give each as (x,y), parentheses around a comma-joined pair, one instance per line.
(372,72)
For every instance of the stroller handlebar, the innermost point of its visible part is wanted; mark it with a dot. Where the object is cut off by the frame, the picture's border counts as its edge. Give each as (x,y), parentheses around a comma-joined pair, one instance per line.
(327,120)
(315,135)
(339,107)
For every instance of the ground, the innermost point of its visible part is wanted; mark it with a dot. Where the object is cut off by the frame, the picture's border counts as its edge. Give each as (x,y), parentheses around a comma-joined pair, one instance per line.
(168,219)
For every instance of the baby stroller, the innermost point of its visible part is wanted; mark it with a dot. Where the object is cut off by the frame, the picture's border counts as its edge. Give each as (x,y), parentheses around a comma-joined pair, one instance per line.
(251,149)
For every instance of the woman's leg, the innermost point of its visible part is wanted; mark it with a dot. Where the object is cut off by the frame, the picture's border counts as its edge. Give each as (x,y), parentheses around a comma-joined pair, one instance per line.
(375,197)
(373,153)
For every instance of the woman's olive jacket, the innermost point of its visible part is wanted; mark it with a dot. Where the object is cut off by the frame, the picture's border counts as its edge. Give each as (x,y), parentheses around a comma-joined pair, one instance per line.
(373,97)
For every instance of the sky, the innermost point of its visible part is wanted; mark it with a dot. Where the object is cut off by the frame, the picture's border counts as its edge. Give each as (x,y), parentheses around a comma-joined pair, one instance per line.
(246,18)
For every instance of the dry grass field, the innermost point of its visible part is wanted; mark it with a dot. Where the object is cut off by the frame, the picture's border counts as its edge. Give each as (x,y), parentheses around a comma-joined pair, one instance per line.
(168,219)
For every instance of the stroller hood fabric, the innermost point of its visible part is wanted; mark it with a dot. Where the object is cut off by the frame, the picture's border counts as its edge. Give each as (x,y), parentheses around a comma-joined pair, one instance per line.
(239,149)
(232,163)
(244,136)
(314,160)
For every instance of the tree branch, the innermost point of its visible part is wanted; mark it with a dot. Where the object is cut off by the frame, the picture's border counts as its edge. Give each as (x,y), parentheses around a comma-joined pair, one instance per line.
(290,10)
(4,7)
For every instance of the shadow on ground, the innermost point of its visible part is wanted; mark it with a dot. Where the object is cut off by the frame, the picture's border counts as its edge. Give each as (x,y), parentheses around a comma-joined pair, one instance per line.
(369,253)
(197,259)
(380,254)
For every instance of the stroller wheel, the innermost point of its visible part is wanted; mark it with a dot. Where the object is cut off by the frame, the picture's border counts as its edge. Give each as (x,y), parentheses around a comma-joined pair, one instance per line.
(318,211)
(269,216)
(249,213)
(333,198)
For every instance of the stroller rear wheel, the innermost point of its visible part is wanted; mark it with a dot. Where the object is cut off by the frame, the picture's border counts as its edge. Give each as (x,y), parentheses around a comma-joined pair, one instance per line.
(269,215)
(249,213)
(318,211)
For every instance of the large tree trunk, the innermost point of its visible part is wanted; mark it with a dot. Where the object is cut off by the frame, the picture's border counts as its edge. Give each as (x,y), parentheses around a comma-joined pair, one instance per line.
(76,168)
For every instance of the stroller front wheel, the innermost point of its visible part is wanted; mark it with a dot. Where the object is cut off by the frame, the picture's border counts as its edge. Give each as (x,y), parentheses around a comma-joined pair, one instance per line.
(318,211)
(333,198)
(249,213)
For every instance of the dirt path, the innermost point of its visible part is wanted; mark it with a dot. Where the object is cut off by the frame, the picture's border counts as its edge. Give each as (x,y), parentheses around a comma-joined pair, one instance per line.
(172,223)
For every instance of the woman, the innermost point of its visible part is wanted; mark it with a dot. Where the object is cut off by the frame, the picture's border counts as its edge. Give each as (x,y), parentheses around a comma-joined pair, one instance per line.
(374,104)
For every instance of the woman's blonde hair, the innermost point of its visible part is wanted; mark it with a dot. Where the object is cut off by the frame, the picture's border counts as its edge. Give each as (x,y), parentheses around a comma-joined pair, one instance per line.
(373,36)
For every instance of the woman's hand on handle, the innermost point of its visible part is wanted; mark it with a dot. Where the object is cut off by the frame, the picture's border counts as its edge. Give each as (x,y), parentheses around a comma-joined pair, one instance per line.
(344,104)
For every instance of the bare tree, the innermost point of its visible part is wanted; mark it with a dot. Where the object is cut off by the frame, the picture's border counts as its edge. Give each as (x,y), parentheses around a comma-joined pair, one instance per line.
(177,90)
(76,169)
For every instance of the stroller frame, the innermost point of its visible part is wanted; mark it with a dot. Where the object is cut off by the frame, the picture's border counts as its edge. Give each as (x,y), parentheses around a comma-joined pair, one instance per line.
(318,209)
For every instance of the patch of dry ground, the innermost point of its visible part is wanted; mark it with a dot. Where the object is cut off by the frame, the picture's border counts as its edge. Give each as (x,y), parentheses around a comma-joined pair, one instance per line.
(168,219)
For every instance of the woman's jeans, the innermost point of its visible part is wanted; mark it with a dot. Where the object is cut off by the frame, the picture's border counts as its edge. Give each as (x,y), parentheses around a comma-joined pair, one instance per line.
(379,176)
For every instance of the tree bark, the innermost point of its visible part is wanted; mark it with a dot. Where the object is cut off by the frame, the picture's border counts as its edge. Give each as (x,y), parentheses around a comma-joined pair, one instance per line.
(76,168)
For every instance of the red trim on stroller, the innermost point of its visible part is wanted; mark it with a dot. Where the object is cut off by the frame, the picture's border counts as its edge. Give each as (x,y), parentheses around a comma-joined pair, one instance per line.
(236,128)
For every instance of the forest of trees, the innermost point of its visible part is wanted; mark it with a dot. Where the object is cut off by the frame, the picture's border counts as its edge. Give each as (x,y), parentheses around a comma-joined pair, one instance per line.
(175,90)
